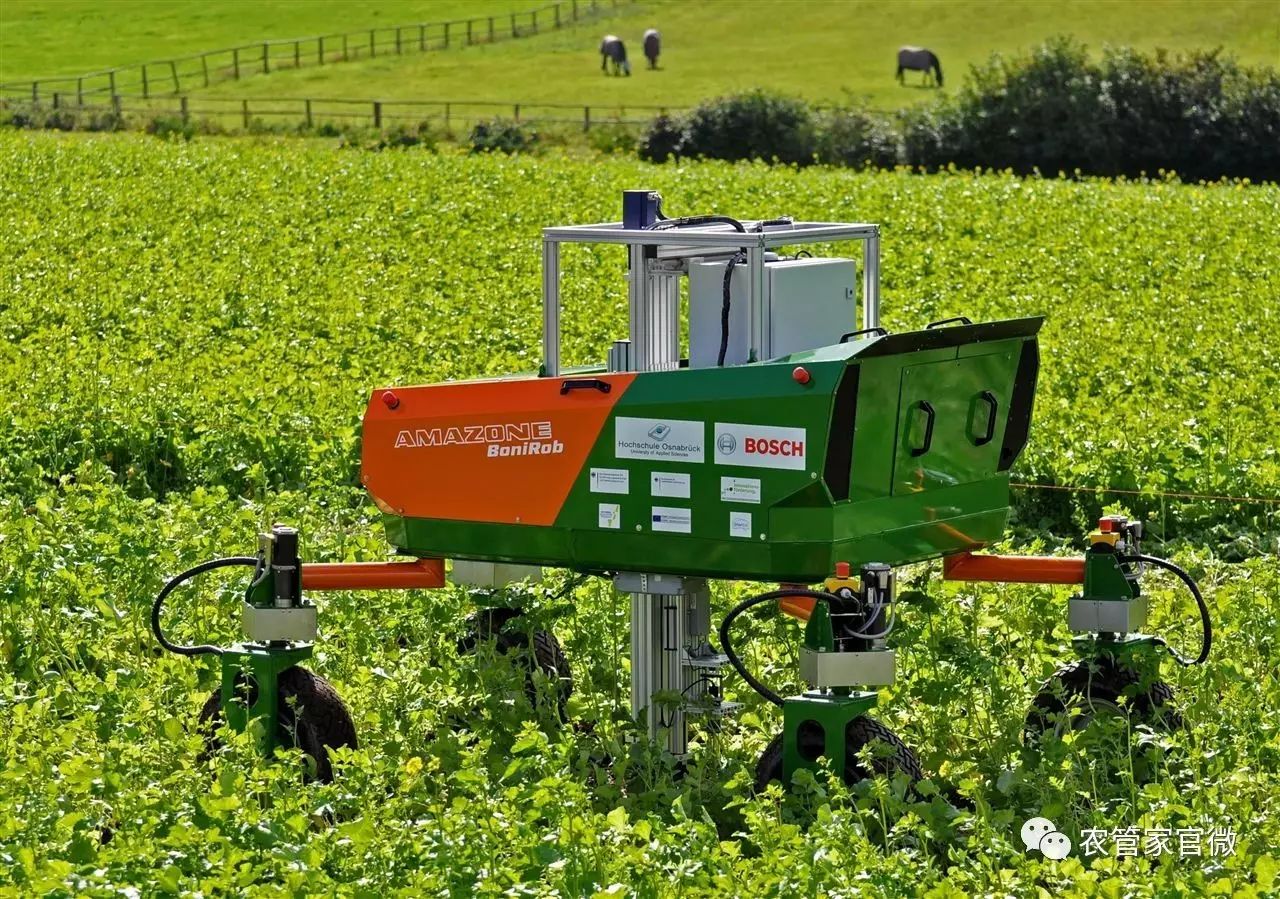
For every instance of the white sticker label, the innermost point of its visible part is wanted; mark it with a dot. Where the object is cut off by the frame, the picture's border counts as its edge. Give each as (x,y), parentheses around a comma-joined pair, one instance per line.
(739,524)
(674,521)
(740,490)
(760,446)
(610,516)
(669,483)
(661,439)
(610,480)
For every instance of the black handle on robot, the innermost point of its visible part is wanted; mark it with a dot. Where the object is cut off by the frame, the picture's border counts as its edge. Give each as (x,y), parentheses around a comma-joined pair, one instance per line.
(585,384)
(926,407)
(990,399)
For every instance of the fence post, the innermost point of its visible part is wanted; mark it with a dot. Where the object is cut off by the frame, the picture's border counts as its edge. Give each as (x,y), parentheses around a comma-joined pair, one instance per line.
(574,11)
(244,112)
(446,33)
(297,54)
(173,70)
(515,31)
(397,40)
(491,29)
(266,56)
(79,92)
(186,111)
(204,65)
(111,81)
(535,21)
(446,117)
(557,8)
(377,113)
(307,107)
(586,118)
(344,48)
(146,91)
(116,107)
(422,38)
(373,44)
(469,41)
(235,61)
(57,99)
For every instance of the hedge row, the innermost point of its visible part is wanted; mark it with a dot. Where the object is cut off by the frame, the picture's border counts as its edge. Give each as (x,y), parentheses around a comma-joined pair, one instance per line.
(1202,115)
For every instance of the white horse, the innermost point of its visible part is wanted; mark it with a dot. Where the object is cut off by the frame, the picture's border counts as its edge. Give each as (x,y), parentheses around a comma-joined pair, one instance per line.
(918,59)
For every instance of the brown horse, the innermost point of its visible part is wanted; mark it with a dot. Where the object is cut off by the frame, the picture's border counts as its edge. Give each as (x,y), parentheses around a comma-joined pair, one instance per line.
(918,59)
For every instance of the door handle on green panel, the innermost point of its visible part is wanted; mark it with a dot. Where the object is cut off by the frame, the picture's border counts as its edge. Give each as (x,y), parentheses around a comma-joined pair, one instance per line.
(927,408)
(990,399)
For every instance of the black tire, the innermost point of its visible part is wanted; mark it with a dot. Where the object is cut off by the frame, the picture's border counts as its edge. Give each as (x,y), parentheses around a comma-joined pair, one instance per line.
(862,731)
(311,716)
(540,651)
(545,655)
(1097,686)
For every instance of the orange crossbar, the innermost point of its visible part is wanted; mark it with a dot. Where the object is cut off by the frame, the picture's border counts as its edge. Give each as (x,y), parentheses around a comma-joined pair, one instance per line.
(419,574)
(1013,569)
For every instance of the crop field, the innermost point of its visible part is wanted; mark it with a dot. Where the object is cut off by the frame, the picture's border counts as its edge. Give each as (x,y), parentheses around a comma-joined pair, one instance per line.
(189,336)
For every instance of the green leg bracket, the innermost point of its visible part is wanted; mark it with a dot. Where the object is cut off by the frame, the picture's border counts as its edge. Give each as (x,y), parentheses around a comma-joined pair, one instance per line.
(825,714)
(261,665)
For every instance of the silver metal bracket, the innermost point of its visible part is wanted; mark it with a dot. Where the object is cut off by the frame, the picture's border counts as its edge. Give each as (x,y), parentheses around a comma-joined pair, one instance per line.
(658,584)
(1117,616)
(847,669)
(296,623)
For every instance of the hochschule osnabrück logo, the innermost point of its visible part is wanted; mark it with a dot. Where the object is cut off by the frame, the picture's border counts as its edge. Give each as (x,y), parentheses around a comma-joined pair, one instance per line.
(660,431)
(726,444)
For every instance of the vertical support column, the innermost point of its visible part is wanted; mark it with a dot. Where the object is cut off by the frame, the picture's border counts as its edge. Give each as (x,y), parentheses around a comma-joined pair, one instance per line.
(758,306)
(668,628)
(550,304)
(638,301)
(871,281)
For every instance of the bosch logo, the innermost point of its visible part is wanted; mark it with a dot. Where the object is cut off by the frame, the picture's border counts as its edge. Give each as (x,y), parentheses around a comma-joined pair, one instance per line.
(762,447)
(727,444)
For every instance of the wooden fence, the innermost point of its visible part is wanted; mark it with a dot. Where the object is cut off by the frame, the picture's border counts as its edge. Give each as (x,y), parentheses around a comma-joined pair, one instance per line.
(265,113)
(175,76)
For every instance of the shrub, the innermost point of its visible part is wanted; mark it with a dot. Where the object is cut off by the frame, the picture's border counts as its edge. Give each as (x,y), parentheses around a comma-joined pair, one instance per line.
(1201,115)
(171,127)
(752,125)
(405,136)
(613,138)
(856,138)
(660,140)
(503,136)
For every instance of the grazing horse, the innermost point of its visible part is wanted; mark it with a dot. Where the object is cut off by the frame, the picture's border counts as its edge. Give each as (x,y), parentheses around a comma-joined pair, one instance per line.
(652,47)
(613,50)
(918,59)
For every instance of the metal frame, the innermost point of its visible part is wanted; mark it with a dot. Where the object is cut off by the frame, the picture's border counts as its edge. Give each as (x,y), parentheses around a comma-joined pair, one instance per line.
(688,242)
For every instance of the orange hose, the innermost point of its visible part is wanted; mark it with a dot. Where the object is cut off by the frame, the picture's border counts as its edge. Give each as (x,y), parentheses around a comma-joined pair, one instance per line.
(420,574)
(1013,569)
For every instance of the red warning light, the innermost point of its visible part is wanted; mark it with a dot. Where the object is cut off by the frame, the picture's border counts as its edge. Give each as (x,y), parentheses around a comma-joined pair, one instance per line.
(801,375)
(390,399)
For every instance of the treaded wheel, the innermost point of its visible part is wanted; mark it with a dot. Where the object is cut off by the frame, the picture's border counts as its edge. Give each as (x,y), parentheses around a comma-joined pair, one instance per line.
(861,731)
(311,717)
(1097,686)
(545,655)
(540,651)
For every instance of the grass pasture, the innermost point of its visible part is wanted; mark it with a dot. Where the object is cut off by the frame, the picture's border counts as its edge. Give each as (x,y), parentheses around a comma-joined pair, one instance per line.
(190,332)
(833,50)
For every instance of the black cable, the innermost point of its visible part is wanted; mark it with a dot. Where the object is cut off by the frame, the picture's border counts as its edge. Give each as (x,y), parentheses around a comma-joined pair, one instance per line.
(174,583)
(741,607)
(690,221)
(737,259)
(1206,642)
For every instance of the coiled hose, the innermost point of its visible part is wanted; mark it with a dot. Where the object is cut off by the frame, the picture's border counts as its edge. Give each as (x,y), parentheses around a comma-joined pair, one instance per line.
(174,583)
(1206,641)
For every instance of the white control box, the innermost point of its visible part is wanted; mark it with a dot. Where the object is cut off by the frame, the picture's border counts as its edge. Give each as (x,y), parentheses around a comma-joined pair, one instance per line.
(812,304)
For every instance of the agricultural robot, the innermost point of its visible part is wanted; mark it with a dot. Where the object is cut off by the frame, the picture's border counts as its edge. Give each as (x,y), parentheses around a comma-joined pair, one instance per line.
(745,429)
